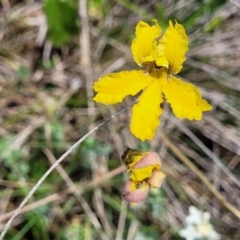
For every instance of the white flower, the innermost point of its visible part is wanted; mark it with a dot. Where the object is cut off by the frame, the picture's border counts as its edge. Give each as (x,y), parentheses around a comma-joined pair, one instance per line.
(196,216)
(198,226)
(189,233)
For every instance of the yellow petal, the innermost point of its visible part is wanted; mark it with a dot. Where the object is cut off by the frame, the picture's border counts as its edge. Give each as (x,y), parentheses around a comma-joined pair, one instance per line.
(160,58)
(132,156)
(139,174)
(175,44)
(113,87)
(144,42)
(145,114)
(185,99)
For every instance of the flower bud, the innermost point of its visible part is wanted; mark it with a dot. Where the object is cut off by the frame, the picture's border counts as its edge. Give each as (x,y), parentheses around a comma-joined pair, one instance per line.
(156,179)
(143,169)
(151,158)
(135,192)
(132,156)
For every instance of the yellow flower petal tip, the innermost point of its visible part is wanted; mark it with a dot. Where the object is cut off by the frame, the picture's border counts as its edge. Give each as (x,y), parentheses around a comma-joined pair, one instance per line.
(113,87)
(204,105)
(142,45)
(174,43)
(185,99)
(162,55)
(146,112)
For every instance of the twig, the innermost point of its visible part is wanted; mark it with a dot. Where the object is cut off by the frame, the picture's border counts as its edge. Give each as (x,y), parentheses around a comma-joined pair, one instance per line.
(40,181)
(210,154)
(22,136)
(58,196)
(120,148)
(218,75)
(133,229)
(235,2)
(86,64)
(122,220)
(212,188)
(77,194)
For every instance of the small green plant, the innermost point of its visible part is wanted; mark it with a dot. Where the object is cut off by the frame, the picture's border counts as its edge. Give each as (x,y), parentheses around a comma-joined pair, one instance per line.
(62,20)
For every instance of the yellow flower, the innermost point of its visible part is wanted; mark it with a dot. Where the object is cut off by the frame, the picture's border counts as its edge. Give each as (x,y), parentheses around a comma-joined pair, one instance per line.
(145,172)
(162,55)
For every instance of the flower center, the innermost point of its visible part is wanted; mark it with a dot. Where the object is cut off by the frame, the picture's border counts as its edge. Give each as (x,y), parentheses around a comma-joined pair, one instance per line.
(154,70)
(204,228)
(158,72)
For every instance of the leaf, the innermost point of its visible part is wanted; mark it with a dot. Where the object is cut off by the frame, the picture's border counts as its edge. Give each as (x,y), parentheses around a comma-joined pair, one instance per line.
(212,24)
(62,20)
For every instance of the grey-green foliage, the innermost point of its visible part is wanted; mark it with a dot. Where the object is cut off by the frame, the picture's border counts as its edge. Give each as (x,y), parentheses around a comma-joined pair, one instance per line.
(22,73)
(12,158)
(91,147)
(148,233)
(57,130)
(156,202)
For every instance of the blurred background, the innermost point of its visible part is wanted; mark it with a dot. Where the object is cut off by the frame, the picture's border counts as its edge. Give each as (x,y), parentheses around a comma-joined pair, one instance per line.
(51,52)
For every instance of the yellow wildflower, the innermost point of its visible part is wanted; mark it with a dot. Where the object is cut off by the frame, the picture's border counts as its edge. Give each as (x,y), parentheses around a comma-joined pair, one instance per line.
(162,55)
(145,168)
